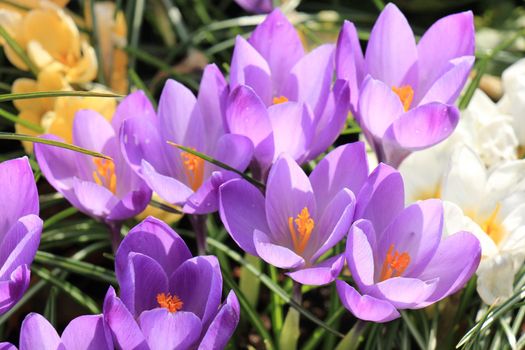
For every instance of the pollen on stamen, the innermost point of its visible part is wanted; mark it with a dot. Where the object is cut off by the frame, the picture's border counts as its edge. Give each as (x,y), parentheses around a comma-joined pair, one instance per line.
(169,302)
(193,169)
(395,264)
(305,225)
(405,94)
(279,99)
(104,174)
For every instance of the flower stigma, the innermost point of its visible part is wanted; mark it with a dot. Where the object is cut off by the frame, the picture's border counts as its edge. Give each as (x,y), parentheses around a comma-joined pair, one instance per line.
(405,94)
(167,301)
(279,99)
(305,225)
(194,169)
(395,264)
(104,174)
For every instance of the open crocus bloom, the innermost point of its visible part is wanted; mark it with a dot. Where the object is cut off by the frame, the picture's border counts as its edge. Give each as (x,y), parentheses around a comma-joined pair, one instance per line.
(282,98)
(417,84)
(20,229)
(105,189)
(404,263)
(256,6)
(179,177)
(84,332)
(168,299)
(300,218)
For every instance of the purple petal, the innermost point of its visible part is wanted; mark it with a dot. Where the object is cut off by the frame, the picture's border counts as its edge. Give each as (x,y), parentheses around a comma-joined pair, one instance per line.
(135,104)
(18,195)
(349,60)
(154,238)
(365,307)
(133,203)
(88,332)
(198,283)
(288,192)
(332,173)
(206,199)
(454,262)
(168,188)
(92,131)
(275,254)
(241,218)
(449,38)
(360,247)
(403,292)
(391,53)
(7,346)
(247,115)
(179,331)
(93,199)
(256,6)
(20,244)
(249,68)
(322,273)
(13,288)
(382,197)
(292,129)
(38,333)
(278,42)
(223,325)
(234,150)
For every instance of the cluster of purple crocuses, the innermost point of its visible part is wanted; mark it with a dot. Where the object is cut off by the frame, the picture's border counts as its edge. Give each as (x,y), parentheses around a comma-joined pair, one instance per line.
(280,109)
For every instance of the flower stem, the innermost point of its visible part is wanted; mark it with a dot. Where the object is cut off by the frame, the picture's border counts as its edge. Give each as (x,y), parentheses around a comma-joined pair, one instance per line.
(296,293)
(114,229)
(199,227)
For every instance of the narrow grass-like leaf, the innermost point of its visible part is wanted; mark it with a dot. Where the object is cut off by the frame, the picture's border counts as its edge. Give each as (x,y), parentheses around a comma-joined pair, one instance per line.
(248,283)
(319,333)
(73,291)
(136,24)
(219,164)
(413,330)
(50,311)
(18,50)
(165,207)
(137,81)
(34,139)
(352,339)
(11,117)
(290,331)
(60,216)
(276,305)
(95,40)
(42,94)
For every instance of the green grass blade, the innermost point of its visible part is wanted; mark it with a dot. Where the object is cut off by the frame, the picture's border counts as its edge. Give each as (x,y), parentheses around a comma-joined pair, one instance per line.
(60,216)
(11,117)
(42,94)
(319,333)
(413,330)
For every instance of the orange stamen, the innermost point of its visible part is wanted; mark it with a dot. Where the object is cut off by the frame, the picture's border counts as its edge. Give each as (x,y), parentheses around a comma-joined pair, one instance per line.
(406,95)
(305,225)
(394,264)
(104,175)
(194,169)
(172,303)
(279,99)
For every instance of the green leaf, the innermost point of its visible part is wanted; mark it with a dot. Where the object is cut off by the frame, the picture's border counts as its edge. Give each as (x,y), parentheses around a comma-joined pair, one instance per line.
(42,94)
(319,333)
(352,339)
(50,312)
(290,331)
(18,50)
(34,139)
(413,330)
(276,304)
(60,216)
(95,40)
(248,283)
(11,117)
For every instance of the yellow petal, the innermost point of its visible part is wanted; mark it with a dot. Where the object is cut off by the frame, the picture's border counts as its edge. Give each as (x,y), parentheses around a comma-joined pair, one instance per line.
(32,117)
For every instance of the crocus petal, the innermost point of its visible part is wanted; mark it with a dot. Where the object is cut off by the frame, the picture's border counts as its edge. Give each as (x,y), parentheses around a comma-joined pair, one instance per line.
(277,41)
(247,115)
(495,282)
(20,244)
(403,292)
(154,238)
(241,218)
(391,52)
(125,330)
(424,126)
(234,150)
(7,346)
(274,254)
(198,283)
(249,68)
(331,175)
(448,38)
(13,288)
(256,6)
(38,333)
(454,263)
(133,203)
(322,273)
(360,247)
(179,330)
(93,199)
(135,104)
(416,231)
(19,196)
(311,77)
(87,332)
(349,60)
(92,131)
(223,325)
(168,188)
(381,197)
(292,129)
(365,307)
(288,192)
(206,199)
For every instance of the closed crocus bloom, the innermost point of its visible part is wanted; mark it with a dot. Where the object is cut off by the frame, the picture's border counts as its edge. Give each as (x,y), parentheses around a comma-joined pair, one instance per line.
(300,218)
(20,229)
(52,41)
(83,333)
(105,189)
(402,263)
(179,177)
(168,299)
(282,98)
(256,6)
(416,84)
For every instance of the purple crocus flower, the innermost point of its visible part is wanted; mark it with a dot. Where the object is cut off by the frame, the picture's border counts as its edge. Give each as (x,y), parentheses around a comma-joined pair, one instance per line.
(397,256)
(256,6)
(107,190)
(179,177)
(415,84)
(301,217)
(20,229)
(168,299)
(282,98)
(84,332)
